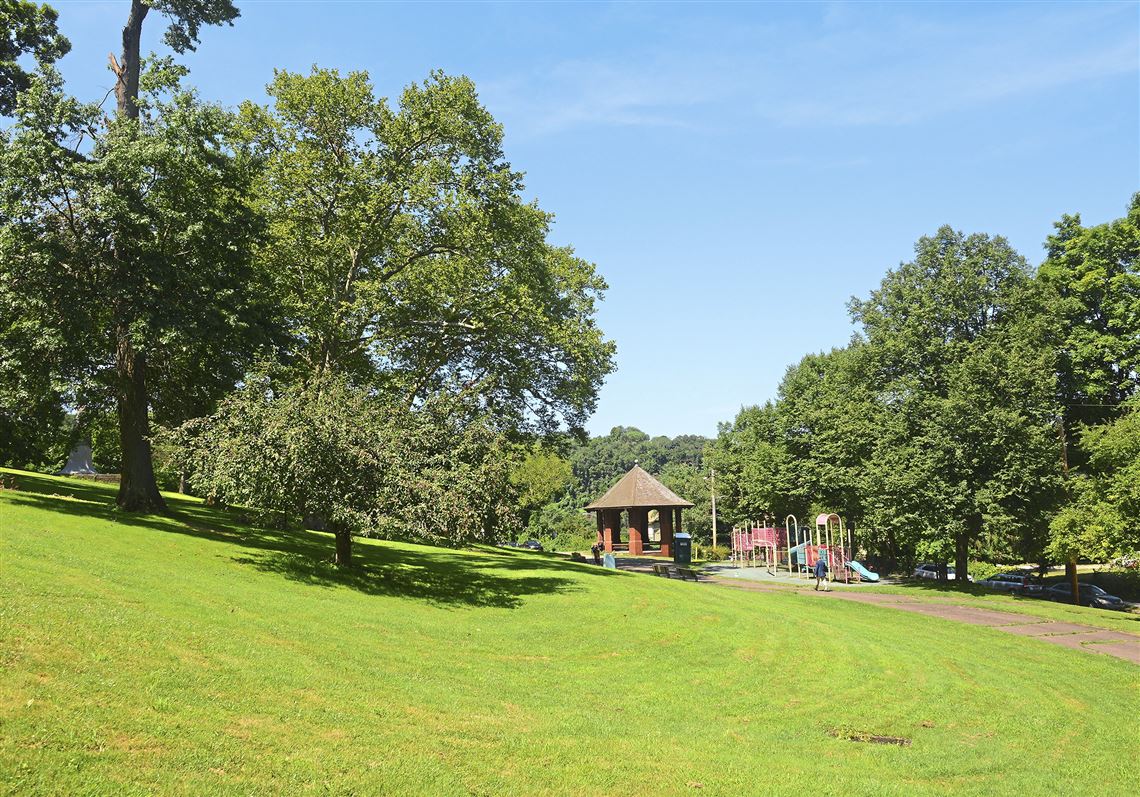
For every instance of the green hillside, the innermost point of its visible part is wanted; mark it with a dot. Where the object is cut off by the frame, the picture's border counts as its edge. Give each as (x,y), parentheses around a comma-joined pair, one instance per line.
(193,655)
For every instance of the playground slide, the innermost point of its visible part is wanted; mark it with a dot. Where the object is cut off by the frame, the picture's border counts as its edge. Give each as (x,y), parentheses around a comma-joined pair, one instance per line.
(862,571)
(797,554)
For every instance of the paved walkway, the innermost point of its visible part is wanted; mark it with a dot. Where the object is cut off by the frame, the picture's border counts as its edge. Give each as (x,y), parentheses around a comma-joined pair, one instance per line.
(1070,635)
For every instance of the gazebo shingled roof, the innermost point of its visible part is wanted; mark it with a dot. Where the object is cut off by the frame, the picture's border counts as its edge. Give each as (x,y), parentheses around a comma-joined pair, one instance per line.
(638,489)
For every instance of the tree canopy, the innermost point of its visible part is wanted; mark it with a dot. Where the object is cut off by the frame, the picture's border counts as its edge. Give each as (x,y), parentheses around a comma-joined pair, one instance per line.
(128,272)
(26,29)
(406,258)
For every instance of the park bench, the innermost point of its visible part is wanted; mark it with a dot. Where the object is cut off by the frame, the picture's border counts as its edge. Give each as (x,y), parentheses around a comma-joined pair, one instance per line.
(669,571)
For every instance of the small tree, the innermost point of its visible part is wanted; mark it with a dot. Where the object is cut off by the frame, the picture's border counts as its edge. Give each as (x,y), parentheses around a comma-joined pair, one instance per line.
(313,451)
(346,460)
(541,477)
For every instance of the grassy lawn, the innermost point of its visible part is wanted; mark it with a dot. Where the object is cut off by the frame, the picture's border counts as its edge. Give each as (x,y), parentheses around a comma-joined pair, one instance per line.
(190,654)
(973,595)
(1036,607)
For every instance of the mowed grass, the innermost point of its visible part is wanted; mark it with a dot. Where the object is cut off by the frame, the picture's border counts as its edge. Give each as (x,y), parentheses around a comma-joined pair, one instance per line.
(190,654)
(1126,621)
(982,598)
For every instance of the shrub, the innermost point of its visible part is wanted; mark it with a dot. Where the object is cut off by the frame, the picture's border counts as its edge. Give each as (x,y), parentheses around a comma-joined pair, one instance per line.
(709,553)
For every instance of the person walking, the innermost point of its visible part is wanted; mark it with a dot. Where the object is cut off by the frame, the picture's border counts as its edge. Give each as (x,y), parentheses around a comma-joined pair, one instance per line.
(821,574)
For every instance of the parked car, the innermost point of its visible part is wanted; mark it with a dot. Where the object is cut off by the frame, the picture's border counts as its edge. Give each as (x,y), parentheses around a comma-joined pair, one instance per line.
(1089,595)
(931,571)
(1019,583)
(533,545)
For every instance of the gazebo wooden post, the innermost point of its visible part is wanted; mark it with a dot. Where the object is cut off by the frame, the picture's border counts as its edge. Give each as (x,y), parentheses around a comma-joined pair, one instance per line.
(607,516)
(677,526)
(666,517)
(637,518)
(601,526)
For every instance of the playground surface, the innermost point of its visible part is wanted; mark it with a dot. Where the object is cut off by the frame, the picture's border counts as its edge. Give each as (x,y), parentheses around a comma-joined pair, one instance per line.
(777,576)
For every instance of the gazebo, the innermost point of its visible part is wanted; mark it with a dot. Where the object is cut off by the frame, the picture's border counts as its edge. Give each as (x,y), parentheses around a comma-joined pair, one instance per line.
(638,492)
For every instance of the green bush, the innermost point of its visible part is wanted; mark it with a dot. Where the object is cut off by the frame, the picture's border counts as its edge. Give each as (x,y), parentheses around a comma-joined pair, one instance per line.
(709,553)
(983,570)
(561,528)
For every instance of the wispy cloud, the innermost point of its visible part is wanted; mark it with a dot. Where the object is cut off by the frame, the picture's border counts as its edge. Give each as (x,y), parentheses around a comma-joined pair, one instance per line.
(853,67)
(589,93)
(923,71)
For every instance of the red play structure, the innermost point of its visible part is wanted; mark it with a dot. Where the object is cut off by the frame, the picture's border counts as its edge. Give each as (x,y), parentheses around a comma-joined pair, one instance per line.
(772,547)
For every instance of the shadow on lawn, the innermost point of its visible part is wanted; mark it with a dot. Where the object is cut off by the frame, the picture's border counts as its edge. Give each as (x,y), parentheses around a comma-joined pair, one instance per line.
(488,578)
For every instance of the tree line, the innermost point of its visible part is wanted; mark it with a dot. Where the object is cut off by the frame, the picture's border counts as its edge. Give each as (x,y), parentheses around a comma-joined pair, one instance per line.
(332,308)
(983,408)
(564,475)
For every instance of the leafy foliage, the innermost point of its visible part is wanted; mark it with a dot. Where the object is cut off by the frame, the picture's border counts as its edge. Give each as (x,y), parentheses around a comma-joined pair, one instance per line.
(26,29)
(540,478)
(1103,519)
(1093,278)
(406,257)
(340,457)
(186,18)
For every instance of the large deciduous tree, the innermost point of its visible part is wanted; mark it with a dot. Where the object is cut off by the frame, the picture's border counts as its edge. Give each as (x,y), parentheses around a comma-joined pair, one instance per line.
(126,244)
(407,258)
(138,490)
(958,339)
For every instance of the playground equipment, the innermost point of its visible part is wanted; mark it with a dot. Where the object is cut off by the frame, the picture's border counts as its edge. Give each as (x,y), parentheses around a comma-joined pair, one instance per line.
(768,546)
(759,546)
(862,571)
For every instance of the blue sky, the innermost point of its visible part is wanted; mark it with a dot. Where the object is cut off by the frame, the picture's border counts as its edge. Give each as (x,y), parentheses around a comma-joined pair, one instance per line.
(736,171)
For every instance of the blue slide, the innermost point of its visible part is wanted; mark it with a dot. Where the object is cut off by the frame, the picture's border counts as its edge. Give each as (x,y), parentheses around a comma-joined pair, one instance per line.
(798,556)
(862,571)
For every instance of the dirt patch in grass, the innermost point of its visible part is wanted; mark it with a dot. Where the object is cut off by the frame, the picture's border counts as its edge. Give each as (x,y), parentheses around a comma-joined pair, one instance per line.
(862,736)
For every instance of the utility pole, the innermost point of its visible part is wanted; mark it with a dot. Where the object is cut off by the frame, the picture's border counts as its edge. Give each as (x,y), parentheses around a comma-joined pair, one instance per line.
(712,492)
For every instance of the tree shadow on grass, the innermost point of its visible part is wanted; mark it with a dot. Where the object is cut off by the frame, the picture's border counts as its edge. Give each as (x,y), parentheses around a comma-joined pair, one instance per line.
(488,577)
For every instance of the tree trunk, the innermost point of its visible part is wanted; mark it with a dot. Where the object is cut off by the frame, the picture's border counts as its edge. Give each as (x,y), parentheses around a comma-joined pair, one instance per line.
(1071,576)
(962,558)
(127,72)
(343,549)
(138,490)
